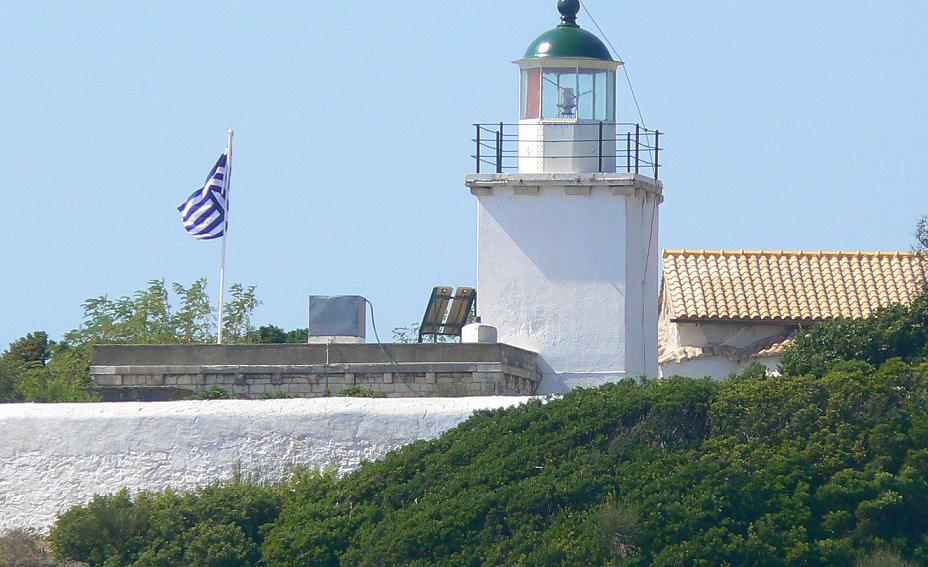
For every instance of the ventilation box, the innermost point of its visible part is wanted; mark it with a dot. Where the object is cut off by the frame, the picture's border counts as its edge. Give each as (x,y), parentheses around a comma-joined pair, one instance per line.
(337,319)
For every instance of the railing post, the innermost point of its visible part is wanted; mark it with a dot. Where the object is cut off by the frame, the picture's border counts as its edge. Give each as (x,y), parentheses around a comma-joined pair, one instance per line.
(478,148)
(657,153)
(628,152)
(499,150)
(499,159)
(600,147)
(637,147)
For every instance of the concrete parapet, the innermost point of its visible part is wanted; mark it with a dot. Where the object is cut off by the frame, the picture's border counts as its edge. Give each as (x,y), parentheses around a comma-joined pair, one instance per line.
(250,371)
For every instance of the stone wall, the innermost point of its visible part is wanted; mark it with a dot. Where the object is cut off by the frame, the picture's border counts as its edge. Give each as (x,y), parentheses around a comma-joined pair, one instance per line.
(253,371)
(53,456)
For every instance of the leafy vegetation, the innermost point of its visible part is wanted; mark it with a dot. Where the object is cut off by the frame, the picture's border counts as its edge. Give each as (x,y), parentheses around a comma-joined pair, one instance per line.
(825,465)
(272,334)
(25,548)
(213,393)
(355,391)
(895,331)
(793,470)
(36,369)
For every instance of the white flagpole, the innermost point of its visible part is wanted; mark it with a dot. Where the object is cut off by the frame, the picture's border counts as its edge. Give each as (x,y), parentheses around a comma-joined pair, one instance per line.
(225,232)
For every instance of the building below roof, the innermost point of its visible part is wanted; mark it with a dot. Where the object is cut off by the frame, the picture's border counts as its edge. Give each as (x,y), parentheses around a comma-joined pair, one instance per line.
(720,310)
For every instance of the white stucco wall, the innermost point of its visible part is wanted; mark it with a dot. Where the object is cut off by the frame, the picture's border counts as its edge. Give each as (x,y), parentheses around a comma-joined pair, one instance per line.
(570,272)
(716,366)
(552,146)
(729,347)
(551,277)
(53,456)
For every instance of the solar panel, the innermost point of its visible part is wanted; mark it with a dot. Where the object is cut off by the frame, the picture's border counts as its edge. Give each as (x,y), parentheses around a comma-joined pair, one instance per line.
(447,311)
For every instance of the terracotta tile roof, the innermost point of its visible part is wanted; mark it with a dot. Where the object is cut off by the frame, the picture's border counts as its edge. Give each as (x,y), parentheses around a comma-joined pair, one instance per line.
(776,349)
(739,285)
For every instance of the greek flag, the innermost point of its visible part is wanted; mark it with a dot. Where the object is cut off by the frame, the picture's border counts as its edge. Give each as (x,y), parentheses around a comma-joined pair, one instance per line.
(204,212)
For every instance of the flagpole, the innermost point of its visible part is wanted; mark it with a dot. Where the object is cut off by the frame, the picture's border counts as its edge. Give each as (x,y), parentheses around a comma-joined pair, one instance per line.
(225,231)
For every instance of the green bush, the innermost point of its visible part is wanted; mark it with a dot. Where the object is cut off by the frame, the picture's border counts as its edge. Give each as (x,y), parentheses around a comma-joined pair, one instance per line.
(275,396)
(816,468)
(213,393)
(792,470)
(883,558)
(355,391)
(895,331)
(25,548)
(216,525)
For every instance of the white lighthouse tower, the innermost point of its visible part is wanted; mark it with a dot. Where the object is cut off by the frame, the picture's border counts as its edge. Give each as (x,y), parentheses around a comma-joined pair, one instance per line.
(567,219)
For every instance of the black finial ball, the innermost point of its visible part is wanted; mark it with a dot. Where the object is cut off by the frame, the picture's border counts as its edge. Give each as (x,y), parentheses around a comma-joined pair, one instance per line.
(569,10)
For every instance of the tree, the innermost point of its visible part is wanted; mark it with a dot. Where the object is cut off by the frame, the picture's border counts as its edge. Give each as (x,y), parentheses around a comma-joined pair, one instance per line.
(33,349)
(194,320)
(298,336)
(237,317)
(35,368)
(921,235)
(270,334)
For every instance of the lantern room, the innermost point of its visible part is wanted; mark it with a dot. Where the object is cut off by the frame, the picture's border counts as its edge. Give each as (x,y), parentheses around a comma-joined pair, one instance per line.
(567,99)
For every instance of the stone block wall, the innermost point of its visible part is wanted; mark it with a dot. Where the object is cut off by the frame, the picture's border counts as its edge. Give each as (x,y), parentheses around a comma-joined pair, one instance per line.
(308,371)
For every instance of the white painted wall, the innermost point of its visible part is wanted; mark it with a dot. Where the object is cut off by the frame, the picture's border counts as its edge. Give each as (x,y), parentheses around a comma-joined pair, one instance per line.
(561,146)
(730,347)
(716,366)
(53,456)
(641,315)
(561,270)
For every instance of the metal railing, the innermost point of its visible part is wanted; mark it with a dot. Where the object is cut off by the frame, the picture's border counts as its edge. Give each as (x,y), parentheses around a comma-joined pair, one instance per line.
(633,148)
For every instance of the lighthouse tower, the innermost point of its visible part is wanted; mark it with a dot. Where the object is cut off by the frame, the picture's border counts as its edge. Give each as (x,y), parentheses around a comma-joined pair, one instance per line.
(567,219)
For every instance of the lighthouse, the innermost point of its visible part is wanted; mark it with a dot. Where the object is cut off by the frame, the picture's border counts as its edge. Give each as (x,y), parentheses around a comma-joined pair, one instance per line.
(567,217)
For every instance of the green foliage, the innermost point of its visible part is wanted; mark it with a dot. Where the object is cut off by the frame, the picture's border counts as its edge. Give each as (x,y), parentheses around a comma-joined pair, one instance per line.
(921,235)
(213,393)
(218,525)
(895,331)
(275,396)
(29,351)
(824,467)
(193,321)
(272,334)
(409,334)
(9,381)
(793,470)
(883,558)
(237,313)
(298,336)
(355,391)
(36,369)
(24,548)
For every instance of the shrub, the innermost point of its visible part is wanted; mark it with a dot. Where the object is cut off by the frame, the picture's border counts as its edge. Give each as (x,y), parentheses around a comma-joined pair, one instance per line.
(275,396)
(24,548)
(219,524)
(883,558)
(895,331)
(213,393)
(819,467)
(355,391)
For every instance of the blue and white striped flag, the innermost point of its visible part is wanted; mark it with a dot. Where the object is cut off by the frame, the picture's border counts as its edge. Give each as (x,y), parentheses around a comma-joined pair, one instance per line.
(204,212)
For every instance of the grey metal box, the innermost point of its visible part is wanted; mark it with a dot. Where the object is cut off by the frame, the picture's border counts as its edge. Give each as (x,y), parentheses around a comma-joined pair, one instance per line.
(337,316)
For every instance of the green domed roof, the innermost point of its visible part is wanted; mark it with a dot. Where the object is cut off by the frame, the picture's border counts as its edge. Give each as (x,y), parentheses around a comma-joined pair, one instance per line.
(564,41)
(567,39)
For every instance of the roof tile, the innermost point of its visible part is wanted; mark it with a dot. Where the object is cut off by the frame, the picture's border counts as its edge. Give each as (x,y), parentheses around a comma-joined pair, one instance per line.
(782,285)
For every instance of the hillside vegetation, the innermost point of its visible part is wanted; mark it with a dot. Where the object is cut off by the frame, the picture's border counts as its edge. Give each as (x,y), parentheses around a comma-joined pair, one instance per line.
(826,466)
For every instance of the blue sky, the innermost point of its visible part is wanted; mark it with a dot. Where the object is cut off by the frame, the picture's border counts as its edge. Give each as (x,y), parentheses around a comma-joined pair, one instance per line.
(789,125)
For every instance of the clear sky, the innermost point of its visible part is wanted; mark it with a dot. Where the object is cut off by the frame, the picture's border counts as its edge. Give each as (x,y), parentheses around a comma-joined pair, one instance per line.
(789,125)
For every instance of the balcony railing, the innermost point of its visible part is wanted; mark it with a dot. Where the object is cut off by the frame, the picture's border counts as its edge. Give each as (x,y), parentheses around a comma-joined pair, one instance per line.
(633,148)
